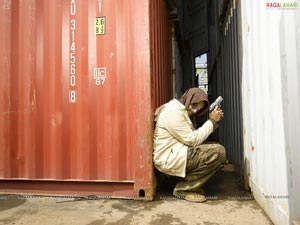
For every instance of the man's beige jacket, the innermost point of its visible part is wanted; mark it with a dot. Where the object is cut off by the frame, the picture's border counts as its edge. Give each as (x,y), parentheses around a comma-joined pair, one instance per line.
(173,135)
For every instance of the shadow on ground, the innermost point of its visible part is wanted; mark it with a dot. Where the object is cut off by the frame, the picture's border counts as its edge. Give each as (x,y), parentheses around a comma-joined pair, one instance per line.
(224,185)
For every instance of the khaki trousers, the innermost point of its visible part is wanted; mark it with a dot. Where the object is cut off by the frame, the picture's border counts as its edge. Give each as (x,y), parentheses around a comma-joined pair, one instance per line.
(202,162)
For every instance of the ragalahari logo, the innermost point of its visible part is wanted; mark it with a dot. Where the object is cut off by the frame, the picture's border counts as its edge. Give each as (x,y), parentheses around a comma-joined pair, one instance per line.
(282,5)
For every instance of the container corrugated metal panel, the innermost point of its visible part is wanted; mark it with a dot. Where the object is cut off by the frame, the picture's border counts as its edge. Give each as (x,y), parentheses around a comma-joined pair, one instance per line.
(225,77)
(76,98)
(161,53)
(271,93)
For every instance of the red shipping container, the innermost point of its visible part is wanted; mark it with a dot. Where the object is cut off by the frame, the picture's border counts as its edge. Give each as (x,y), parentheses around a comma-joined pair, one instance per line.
(79,82)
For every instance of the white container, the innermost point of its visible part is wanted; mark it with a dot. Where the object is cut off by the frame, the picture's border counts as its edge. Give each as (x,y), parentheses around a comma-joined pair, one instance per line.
(271,109)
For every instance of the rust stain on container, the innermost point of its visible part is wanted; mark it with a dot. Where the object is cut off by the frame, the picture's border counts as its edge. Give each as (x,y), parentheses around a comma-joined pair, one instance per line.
(79,81)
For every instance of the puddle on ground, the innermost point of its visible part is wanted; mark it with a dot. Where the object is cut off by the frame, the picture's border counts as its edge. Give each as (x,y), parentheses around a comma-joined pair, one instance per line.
(166,219)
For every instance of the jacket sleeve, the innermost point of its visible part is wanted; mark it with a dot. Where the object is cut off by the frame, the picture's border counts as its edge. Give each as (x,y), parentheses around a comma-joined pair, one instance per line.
(180,128)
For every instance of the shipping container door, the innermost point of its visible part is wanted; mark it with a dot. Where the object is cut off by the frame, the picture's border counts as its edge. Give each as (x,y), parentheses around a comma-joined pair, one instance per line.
(75,93)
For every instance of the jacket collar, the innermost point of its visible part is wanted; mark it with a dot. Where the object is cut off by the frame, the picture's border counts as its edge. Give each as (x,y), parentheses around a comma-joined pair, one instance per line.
(180,105)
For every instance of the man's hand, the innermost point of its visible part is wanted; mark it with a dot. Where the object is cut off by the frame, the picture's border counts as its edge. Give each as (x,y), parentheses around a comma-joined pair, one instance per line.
(216,115)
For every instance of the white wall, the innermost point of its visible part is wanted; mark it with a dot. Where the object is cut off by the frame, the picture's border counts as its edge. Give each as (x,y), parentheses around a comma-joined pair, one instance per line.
(271,107)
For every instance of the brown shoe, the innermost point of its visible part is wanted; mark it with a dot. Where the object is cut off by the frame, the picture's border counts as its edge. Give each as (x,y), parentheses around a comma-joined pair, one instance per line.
(190,196)
(195,197)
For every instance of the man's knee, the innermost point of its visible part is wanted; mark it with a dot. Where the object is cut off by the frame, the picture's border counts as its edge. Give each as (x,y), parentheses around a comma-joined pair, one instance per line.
(221,152)
(216,153)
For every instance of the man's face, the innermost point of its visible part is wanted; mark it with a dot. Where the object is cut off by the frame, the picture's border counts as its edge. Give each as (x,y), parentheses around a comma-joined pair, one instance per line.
(195,108)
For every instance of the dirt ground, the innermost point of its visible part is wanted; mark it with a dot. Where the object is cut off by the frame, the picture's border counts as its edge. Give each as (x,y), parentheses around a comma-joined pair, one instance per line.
(228,203)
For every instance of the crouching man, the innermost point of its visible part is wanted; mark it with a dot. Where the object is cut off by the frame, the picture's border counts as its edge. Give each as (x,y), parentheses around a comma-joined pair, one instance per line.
(178,148)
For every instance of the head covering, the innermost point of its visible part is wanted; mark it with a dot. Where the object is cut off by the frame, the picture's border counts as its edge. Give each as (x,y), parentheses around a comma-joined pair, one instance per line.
(195,95)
